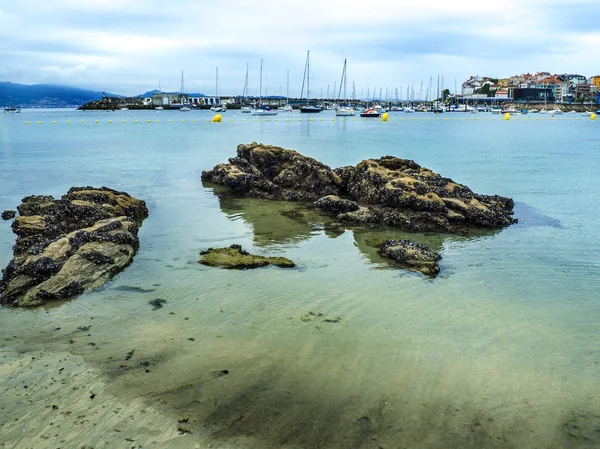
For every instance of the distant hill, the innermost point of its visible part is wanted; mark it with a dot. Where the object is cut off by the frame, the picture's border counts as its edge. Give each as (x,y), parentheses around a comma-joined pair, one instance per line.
(45,95)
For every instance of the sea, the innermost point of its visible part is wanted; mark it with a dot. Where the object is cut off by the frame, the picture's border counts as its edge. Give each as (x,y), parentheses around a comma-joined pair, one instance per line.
(501,350)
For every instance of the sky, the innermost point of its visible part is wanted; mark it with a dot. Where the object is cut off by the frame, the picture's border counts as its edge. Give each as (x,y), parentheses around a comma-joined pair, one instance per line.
(128,47)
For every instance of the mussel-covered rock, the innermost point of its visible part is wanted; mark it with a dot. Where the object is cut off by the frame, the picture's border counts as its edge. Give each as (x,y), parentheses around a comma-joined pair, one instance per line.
(235,257)
(388,190)
(9,214)
(68,245)
(412,256)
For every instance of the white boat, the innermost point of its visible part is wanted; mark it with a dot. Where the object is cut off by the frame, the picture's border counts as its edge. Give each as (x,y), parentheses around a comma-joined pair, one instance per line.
(587,113)
(184,107)
(510,110)
(409,110)
(124,109)
(308,108)
(288,108)
(11,110)
(246,109)
(262,110)
(344,110)
(555,111)
(159,108)
(218,107)
(496,110)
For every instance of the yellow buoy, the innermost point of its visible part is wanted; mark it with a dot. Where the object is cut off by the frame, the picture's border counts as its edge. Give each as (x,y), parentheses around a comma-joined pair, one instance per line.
(39,123)
(182,121)
(384,117)
(170,121)
(96,121)
(194,120)
(506,116)
(110,121)
(27,123)
(82,122)
(593,117)
(136,121)
(54,122)
(122,121)
(217,118)
(68,122)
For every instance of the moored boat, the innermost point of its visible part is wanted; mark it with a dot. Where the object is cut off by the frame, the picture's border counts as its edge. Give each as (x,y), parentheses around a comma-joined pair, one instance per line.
(371,112)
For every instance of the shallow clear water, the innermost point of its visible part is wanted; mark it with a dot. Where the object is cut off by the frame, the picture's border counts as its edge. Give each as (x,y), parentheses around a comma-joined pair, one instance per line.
(501,350)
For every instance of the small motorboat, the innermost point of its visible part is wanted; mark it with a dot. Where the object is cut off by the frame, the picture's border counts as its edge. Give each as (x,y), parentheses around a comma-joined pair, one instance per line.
(218,109)
(371,112)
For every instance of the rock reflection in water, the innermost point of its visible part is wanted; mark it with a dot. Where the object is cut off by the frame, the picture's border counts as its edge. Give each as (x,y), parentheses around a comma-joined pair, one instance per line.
(283,222)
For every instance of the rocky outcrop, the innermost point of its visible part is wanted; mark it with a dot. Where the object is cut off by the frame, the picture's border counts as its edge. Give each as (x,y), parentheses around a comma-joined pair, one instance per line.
(270,172)
(412,256)
(9,214)
(389,190)
(69,245)
(235,257)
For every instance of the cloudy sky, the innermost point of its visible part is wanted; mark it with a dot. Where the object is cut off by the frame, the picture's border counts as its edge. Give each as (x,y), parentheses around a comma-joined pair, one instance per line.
(130,46)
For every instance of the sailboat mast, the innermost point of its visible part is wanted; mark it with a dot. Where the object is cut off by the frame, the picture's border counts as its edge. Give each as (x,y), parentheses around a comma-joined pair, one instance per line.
(287,92)
(217,83)
(345,81)
(308,77)
(260,84)
(246,82)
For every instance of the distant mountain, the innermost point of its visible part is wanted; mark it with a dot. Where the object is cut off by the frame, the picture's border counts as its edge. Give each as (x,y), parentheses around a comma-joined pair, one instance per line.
(45,95)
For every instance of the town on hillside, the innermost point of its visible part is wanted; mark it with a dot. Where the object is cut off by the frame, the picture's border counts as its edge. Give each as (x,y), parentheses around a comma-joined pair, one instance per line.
(539,88)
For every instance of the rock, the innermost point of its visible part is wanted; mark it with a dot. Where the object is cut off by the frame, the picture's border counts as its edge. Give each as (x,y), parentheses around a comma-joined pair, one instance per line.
(336,204)
(67,246)
(270,172)
(9,214)
(413,256)
(388,190)
(235,257)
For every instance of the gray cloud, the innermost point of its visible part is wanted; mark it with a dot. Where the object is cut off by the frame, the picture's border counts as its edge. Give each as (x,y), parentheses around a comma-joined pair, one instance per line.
(129,46)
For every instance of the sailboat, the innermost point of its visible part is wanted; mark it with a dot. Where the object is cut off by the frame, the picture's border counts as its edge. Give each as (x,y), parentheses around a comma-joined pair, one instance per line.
(11,109)
(246,109)
(184,107)
(159,107)
(345,110)
(308,108)
(262,110)
(288,106)
(218,107)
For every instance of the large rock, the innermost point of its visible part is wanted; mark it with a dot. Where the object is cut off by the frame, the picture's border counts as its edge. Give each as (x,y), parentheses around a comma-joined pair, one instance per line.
(68,245)
(271,172)
(412,256)
(389,190)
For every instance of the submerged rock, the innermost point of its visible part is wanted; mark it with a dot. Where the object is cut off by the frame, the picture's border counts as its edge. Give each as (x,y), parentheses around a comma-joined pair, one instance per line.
(388,190)
(69,245)
(413,256)
(9,214)
(235,257)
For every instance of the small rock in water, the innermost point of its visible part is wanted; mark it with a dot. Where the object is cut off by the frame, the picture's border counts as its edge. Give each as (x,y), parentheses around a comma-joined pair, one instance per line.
(157,303)
(235,257)
(413,256)
(9,214)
